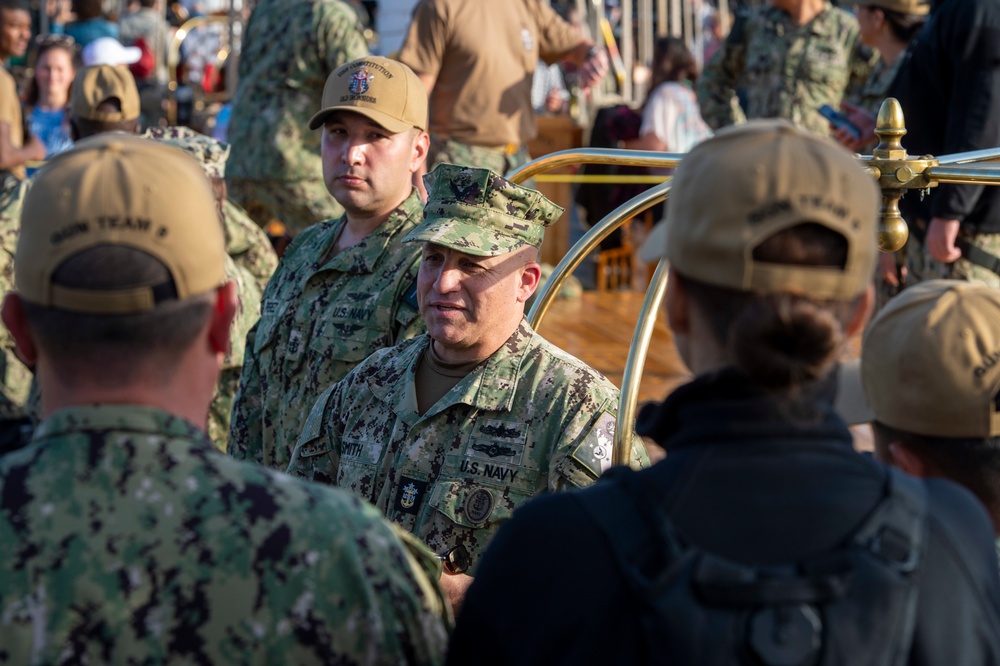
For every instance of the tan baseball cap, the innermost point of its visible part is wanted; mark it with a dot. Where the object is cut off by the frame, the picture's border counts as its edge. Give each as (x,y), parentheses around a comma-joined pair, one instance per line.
(930,360)
(385,90)
(747,183)
(116,189)
(479,212)
(96,85)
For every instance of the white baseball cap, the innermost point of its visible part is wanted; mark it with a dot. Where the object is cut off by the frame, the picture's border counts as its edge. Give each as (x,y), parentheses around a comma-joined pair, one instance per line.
(109,51)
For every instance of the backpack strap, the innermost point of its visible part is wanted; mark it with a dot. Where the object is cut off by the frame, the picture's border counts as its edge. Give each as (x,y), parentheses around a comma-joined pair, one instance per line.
(630,521)
(896,532)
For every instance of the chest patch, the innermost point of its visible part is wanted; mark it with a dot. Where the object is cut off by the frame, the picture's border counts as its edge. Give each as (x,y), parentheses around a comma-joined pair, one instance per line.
(409,493)
(479,505)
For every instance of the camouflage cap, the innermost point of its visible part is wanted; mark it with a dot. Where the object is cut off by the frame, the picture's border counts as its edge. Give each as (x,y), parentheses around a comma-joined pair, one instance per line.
(481,213)
(210,153)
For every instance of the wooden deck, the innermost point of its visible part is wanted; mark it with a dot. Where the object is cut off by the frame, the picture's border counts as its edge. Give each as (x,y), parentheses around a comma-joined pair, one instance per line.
(598,328)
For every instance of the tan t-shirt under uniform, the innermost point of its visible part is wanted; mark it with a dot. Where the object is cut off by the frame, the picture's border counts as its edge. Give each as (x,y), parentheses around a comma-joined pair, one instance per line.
(483,54)
(10,113)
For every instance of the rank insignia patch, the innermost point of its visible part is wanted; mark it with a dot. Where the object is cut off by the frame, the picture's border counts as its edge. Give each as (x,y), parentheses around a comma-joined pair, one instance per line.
(409,494)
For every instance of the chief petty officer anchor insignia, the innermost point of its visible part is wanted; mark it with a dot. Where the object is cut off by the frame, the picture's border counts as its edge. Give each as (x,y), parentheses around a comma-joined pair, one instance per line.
(410,492)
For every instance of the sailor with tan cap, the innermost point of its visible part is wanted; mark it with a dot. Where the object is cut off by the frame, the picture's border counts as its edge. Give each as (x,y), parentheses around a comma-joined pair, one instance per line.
(345,287)
(450,432)
(125,537)
(102,99)
(762,537)
(930,367)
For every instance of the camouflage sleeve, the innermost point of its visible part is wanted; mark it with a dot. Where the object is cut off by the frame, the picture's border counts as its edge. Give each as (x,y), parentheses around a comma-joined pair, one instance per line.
(339,34)
(718,83)
(316,456)
(426,568)
(860,65)
(590,453)
(246,439)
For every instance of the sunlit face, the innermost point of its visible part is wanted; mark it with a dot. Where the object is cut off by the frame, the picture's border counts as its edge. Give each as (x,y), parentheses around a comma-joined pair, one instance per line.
(15,32)
(368,169)
(54,72)
(471,304)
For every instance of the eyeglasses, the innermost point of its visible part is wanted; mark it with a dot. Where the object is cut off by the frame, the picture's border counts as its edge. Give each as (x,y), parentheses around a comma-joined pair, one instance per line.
(456,561)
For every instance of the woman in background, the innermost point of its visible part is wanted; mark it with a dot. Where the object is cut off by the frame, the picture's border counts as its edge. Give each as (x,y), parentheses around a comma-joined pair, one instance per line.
(671,120)
(47,97)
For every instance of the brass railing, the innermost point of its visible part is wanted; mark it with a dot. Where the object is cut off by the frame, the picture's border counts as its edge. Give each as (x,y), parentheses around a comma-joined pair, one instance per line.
(889,163)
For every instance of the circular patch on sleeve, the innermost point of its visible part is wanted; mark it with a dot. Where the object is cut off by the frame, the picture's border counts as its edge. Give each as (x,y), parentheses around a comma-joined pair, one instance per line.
(479,505)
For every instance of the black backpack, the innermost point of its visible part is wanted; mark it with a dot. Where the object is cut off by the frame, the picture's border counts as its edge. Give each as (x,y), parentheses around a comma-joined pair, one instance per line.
(854,605)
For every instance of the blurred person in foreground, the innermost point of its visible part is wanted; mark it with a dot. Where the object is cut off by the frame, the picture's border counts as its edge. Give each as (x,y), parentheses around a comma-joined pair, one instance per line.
(930,367)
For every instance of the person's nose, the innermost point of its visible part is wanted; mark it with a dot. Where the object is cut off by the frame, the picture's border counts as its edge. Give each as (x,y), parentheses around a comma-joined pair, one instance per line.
(353,152)
(448,280)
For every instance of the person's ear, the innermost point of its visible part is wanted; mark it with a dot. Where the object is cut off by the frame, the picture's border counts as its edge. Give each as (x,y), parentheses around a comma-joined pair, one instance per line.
(421,146)
(531,276)
(907,460)
(223,312)
(15,321)
(861,313)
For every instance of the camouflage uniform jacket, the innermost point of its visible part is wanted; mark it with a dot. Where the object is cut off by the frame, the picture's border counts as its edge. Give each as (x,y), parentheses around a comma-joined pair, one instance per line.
(289,50)
(876,89)
(156,548)
(786,70)
(528,420)
(248,244)
(320,317)
(15,377)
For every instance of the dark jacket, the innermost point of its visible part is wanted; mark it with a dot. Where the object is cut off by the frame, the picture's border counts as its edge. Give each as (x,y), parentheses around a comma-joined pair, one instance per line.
(949,88)
(754,479)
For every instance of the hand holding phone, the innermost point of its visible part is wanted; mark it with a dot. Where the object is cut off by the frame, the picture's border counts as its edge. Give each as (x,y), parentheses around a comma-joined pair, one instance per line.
(837,119)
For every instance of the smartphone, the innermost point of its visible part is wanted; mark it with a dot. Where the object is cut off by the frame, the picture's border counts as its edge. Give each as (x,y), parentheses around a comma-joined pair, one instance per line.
(837,119)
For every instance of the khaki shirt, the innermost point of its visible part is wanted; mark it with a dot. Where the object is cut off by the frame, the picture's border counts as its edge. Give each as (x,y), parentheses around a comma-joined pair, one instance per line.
(530,419)
(483,55)
(10,113)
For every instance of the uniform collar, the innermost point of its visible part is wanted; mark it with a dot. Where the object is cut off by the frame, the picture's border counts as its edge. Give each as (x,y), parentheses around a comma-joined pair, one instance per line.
(132,418)
(363,257)
(491,386)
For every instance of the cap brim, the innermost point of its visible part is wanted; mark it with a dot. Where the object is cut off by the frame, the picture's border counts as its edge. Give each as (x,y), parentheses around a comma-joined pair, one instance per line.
(131,55)
(454,234)
(655,246)
(850,402)
(391,124)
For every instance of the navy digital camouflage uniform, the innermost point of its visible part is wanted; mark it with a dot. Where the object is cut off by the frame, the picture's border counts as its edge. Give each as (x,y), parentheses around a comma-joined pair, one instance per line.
(527,420)
(125,537)
(289,50)
(15,377)
(783,69)
(320,317)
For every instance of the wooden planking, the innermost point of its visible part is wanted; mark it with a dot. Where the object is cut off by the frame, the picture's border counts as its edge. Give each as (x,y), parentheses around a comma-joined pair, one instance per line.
(598,327)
